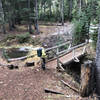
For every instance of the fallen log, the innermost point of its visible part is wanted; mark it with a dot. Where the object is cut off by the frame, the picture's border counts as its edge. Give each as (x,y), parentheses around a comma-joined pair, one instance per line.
(74,89)
(52,91)
(21,58)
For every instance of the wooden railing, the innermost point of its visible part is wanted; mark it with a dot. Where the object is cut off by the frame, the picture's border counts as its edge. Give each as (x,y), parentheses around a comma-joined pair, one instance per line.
(55,50)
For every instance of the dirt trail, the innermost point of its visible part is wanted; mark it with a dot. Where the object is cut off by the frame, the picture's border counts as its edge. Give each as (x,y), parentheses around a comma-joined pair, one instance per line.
(29,84)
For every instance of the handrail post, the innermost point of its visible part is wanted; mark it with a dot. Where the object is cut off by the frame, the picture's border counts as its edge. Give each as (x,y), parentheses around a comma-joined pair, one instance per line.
(57,57)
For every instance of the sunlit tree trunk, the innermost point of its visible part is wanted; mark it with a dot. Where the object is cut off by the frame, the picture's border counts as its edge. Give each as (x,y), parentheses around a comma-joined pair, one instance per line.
(2,19)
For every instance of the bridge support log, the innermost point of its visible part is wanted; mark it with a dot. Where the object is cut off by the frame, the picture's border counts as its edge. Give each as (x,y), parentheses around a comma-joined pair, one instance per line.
(71,61)
(87,79)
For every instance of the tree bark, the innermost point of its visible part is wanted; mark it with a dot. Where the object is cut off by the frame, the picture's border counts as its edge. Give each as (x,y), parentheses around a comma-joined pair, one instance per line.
(13,18)
(70,9)
(62,12)
(97,60)
(2,18)
(10,17)
(29,19)
(50,11)
(36,18)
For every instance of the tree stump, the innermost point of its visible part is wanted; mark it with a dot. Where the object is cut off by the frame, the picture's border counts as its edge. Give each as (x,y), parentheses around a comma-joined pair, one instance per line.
(87,78)
(29,64)
(11,66)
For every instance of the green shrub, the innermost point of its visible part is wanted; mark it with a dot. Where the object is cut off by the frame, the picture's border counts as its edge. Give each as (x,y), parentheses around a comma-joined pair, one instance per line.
(10,37)
(80,31)
(77,32)
(22,38)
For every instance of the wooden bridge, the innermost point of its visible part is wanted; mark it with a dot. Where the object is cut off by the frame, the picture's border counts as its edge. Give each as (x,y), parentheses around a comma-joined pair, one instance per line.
(66,56)
(62,54)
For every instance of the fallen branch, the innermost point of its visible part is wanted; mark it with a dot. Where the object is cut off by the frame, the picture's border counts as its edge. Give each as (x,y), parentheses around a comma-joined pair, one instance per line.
(70,86)
(52,91)
(62,94)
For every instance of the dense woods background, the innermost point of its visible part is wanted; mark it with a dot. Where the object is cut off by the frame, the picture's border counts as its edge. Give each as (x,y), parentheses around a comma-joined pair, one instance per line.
(82,13)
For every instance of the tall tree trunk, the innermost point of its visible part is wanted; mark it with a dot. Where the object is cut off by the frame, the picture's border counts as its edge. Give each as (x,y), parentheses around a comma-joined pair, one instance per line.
(70,9)
(44,9)
(10,17)
(2,19)
(13,18)
(36,18)
(98,64)
(29,19)
(50,12)
(41,12)
(62,11)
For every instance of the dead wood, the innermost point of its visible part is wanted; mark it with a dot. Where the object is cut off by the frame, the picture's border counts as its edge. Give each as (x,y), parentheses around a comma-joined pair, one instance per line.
(52,91)
(71,87)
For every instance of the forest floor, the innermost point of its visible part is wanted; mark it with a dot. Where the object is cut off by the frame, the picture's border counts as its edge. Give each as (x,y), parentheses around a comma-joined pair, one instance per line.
(29,83)
(49,35)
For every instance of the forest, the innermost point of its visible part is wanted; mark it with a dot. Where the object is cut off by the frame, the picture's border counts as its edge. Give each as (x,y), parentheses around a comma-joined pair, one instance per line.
(49,49)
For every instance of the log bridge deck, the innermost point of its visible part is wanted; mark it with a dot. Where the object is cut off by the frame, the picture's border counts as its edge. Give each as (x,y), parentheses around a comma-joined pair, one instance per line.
(66,56)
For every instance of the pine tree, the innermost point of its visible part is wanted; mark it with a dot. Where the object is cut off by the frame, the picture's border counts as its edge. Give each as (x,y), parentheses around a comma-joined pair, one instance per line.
(2,22)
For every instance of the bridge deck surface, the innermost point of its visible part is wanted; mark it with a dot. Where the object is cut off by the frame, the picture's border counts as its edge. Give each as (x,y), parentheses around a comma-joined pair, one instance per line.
(64,59)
